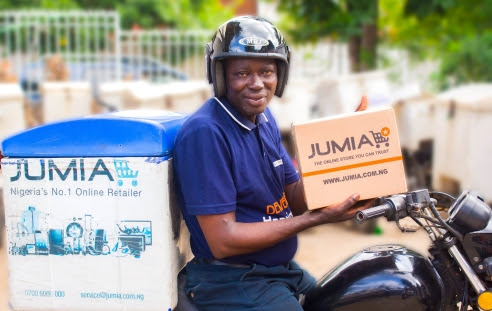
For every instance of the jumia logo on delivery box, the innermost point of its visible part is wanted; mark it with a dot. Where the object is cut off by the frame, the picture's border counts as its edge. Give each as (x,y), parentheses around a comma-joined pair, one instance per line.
(76,168)
(350,143)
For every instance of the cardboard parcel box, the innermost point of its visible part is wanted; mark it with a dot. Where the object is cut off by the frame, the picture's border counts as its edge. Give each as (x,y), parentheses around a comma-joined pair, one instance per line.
(350,153)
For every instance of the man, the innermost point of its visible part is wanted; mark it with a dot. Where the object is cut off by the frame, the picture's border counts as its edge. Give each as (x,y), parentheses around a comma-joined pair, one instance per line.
(236,185)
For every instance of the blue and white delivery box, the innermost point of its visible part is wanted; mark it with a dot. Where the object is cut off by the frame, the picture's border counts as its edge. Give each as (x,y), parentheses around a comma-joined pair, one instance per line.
(91,218)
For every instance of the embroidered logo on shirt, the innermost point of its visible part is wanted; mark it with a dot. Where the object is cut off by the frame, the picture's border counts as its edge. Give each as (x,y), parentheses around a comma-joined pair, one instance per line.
(277,163)
(277,207)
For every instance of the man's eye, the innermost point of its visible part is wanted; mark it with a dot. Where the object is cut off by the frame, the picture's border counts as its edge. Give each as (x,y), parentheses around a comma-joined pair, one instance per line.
(268,72)
(242,74)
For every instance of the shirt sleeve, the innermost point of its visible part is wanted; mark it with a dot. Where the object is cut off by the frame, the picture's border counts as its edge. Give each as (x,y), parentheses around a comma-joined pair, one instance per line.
(290,172)
(203,166)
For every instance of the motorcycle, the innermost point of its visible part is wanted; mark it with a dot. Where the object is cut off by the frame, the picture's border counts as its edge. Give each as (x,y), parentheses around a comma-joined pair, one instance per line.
(456,276)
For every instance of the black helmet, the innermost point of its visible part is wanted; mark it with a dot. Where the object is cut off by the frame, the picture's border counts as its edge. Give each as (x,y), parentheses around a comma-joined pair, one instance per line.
(246,36)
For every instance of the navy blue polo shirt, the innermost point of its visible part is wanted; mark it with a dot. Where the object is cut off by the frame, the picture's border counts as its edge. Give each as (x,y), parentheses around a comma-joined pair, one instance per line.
(223,163)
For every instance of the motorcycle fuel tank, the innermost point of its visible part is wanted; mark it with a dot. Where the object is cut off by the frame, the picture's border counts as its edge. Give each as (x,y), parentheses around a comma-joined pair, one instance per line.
(386,277)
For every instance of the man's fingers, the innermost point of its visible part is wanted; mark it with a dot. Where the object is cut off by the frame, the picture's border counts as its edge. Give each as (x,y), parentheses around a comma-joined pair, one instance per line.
(363,104)
(366,203)
(360,207)
(352,205)
(346,209)
(350,201)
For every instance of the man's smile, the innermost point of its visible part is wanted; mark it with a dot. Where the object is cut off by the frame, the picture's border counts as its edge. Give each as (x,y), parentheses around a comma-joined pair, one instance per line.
(255,100)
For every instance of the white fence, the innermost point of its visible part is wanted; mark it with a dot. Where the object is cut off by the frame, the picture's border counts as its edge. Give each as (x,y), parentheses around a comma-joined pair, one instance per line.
(181,51)
(93,47)
(29,37)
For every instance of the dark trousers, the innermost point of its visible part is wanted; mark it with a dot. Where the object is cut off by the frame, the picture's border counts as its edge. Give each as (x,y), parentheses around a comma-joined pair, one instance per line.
(222,287)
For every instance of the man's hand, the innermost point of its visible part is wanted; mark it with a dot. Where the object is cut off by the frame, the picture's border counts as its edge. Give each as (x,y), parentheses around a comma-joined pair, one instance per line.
(343,211)
(363,104)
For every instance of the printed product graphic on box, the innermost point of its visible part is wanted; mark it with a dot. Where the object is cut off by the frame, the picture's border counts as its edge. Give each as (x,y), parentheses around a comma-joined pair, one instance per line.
(351,153)
(78,235)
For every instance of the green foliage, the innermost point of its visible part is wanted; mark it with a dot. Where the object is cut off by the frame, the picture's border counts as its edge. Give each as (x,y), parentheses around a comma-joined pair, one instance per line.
(184,14)
(41,4)
(181,14)
(423,9)
(345,20)
(456,32)
(471,61)
(435,25)
(58,4)
(308,20)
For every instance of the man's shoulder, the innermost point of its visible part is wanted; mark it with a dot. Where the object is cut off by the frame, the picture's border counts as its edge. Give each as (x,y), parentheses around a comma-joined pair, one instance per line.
(206,119)
(205,116)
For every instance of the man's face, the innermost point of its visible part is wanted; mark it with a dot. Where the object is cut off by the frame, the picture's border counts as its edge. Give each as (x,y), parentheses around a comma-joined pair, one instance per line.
(250,84)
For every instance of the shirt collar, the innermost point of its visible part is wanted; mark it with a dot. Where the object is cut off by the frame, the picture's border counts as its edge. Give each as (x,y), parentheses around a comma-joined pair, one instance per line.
(239,118)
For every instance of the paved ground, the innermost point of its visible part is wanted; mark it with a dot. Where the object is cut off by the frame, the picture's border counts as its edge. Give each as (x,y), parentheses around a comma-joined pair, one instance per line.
(320,249)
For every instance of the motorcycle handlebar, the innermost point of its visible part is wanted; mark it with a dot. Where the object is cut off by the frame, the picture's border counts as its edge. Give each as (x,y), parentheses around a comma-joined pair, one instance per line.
(373,212)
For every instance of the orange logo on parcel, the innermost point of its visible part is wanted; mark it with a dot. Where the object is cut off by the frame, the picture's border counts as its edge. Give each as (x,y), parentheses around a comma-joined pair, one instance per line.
(351,143)
(277,207)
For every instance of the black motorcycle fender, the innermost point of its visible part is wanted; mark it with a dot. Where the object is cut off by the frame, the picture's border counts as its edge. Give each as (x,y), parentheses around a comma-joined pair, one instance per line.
(386,277)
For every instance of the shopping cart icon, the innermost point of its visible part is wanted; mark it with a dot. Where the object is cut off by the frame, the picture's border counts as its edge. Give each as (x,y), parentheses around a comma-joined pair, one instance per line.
(124,172)
(379,138)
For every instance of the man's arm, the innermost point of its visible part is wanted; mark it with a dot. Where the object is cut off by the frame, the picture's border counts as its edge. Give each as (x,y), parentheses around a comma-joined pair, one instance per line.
(226,237)
(294,193)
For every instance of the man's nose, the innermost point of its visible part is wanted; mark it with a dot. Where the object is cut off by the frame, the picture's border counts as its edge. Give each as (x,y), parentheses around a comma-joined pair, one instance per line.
(256,82)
